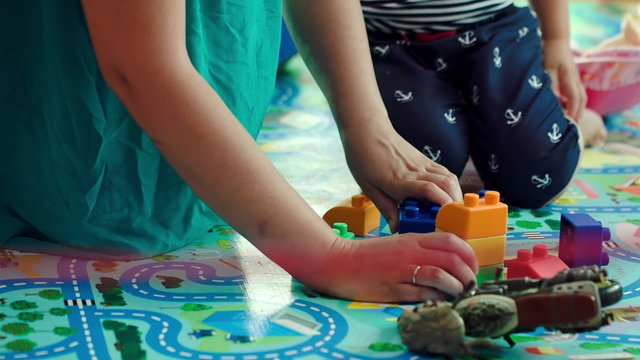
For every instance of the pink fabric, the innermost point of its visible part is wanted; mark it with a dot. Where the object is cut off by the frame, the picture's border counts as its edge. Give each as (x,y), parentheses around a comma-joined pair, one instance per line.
(611,77)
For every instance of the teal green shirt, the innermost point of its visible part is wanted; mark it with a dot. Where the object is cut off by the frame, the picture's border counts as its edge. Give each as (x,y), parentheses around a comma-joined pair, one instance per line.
(78,177)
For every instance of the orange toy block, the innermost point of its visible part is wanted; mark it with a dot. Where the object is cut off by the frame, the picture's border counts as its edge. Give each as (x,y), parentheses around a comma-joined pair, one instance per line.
(358,212)
(474,217)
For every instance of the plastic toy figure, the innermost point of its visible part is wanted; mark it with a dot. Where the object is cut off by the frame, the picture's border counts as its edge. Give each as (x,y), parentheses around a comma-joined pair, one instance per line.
(570,302)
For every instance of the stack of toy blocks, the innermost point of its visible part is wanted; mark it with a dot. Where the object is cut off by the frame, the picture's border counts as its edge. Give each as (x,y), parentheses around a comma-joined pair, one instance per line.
(536,265)
(482,223)
(581,238)
(358,212)
(417,216)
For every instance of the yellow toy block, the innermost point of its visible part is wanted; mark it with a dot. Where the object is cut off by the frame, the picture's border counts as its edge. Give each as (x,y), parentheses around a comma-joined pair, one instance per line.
(358,212)
(489,250)
(474,217)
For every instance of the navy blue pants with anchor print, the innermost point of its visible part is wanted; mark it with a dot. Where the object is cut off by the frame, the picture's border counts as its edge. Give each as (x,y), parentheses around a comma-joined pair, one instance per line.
(482,92)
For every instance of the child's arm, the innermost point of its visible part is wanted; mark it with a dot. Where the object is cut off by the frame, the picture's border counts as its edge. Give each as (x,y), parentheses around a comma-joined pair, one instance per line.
(142,54)
(331,36)
(558,59)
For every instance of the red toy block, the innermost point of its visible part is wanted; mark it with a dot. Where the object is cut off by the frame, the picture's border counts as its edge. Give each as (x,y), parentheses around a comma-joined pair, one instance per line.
(536,265)
(358,212)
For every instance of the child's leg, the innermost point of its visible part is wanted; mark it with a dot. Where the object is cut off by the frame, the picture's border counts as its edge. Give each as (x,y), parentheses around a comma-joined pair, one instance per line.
(522,143)
(424,109)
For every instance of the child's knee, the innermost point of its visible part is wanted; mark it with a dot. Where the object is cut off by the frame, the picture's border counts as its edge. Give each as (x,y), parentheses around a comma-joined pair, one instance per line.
(534,189)
(535,181)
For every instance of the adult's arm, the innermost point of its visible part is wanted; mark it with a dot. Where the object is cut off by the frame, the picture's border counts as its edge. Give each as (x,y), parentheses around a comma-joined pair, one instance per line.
(331,37)
(142,55)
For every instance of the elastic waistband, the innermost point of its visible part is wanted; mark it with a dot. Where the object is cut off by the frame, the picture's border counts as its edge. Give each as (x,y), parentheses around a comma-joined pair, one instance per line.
(423,36)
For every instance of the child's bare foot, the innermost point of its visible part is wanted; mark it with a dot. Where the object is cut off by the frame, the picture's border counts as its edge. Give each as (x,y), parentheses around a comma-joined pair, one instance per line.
(631,29)
(629,34)
(592,128)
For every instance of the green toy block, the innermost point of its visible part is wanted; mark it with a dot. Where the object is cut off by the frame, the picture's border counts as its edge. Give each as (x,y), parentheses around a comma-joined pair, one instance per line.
(488,273)
(342,230)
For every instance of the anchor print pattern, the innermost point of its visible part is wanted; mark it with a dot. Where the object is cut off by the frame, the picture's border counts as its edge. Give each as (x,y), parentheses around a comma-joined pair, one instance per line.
(497,60)
(403,97)
(467,39)
(493,163)
(541,182)
(522,32)
(513,118)
(481,93)
(450,117)
(475,95)
(535,82)
(381,51)
(554,134)
(434,156)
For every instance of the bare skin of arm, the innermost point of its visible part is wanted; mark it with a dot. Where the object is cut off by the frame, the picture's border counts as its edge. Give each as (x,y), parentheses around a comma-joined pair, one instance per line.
(331,36)
(142,54)
(554,23)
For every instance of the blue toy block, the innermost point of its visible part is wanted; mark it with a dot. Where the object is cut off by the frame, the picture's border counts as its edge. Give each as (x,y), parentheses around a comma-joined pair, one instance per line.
(417,216)
(581,238)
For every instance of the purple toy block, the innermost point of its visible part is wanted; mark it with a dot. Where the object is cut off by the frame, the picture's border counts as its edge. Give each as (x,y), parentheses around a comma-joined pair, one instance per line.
(417,216)
(581,238)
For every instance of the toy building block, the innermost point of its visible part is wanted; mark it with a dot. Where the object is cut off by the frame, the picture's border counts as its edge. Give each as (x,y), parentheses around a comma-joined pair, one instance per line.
(482,222)
(536,264)
(489,273)
(581,238)
(474,217)
(358,212)
(417,216)
(342,229)
(489,250)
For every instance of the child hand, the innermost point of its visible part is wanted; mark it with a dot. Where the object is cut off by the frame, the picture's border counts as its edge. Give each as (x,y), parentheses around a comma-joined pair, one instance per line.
(566,83)
(389,170)
(382,269)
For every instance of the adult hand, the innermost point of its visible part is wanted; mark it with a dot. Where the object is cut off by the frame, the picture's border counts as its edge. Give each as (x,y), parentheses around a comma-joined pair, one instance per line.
(566,83)
(383,269)
(389,170)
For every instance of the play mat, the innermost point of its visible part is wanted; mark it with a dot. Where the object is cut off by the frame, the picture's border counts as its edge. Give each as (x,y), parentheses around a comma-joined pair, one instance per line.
(221,299)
